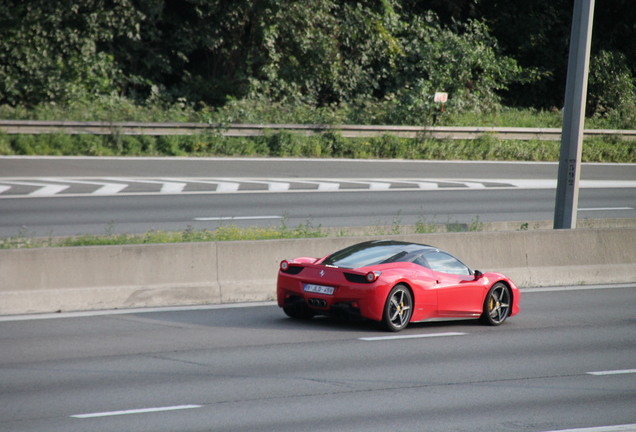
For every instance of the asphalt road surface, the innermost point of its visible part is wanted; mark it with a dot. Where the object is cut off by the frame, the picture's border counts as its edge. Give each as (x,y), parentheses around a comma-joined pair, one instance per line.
(48,196)
(567,361)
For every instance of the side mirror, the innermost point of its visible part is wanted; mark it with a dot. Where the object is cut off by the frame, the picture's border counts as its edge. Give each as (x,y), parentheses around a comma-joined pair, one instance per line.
(477,274)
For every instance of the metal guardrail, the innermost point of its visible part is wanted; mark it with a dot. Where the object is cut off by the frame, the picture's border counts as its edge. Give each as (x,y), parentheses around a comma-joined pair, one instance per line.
(246,130)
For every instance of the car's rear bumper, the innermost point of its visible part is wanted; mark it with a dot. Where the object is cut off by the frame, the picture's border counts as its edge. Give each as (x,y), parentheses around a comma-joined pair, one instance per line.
(358,300)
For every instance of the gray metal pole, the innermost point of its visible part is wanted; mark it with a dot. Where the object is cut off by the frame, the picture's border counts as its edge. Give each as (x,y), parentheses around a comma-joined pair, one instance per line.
(567,196)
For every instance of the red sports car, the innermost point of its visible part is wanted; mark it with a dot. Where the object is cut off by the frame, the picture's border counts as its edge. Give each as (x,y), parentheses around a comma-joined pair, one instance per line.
(394,283)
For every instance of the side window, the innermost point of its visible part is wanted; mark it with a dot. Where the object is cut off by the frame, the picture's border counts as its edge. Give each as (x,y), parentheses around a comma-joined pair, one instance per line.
(444,263)
(421,261)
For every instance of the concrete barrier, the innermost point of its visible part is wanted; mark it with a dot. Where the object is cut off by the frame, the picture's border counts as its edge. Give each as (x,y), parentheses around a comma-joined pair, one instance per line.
(109,277)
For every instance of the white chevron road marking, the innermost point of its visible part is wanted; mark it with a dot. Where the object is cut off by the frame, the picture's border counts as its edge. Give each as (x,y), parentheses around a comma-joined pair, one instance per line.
(44,189)
(372,184)
(105,189)
(166,186)
(322,185)
(272,186)
(53,186)
(221,185)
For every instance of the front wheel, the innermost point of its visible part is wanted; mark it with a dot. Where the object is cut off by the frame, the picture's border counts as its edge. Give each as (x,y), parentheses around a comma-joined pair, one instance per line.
(398,309)
(497,305)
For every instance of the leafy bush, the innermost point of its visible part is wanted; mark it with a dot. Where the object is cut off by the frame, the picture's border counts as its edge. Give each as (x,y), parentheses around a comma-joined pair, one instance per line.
(611,84)
(464,62)
(5,144)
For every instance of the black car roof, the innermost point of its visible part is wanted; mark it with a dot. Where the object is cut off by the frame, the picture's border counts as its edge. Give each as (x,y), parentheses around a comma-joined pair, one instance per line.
(396,243)
(375,252)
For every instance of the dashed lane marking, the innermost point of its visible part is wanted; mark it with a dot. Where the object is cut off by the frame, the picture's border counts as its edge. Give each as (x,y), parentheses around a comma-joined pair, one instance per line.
(233,218)
(418,336)
(616,428)
(606,209)
(135,411)
(613,372)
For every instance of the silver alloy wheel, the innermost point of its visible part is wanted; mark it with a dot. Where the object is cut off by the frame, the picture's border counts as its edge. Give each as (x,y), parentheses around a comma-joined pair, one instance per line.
(497,304)
(398,308)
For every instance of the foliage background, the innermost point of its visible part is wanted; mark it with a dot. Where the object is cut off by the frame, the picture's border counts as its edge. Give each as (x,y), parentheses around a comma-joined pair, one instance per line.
(364,61)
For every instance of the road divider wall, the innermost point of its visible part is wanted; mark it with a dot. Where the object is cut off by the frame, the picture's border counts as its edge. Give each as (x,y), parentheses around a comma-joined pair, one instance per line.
(111,277)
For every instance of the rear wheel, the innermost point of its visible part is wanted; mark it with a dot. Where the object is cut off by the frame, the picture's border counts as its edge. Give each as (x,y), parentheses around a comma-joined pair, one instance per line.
(398,309)
(497,305)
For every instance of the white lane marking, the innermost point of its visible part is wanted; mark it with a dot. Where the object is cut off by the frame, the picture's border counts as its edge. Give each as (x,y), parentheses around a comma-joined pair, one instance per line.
(474,185)
(49,190)
(379,186)
(427,185)
(135,411)
(230,218)
(607,184)
(227,187)
(371,184)
(272,186)
(233,185)
(277,186)
(526,184)
(105,189)
(606,208)
(322,186)
(166,186)
(430,335)
(110,312)
(221,185)
(44,188)
(552,184)
(577,288)
(617,428)
(613,372)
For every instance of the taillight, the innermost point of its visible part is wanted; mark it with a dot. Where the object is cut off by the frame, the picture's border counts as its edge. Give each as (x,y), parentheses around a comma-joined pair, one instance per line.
(284,265)
(372,276)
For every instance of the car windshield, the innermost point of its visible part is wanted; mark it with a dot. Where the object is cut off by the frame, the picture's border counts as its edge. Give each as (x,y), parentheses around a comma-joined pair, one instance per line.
(373,253)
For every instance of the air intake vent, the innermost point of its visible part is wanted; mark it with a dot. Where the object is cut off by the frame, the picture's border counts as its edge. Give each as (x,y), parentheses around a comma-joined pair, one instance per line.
(293,269)
(356,278)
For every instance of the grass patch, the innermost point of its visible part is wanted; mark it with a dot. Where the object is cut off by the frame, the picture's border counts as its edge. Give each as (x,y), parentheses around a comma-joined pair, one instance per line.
(189,235)
(331,144)
(288,144)
(234,233)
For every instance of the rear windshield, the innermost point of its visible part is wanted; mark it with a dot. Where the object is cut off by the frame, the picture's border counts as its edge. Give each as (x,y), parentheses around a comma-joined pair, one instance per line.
(373,253)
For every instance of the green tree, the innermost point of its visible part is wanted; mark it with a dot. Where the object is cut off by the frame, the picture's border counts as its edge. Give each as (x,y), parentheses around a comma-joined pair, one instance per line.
(465,63)
(49,49)
(536,34)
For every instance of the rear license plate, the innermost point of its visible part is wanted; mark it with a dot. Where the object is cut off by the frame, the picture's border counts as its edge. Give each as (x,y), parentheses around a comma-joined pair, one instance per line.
(319,289)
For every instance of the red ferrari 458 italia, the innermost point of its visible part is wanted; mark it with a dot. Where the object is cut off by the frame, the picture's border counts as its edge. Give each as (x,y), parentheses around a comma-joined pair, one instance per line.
(394,283)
